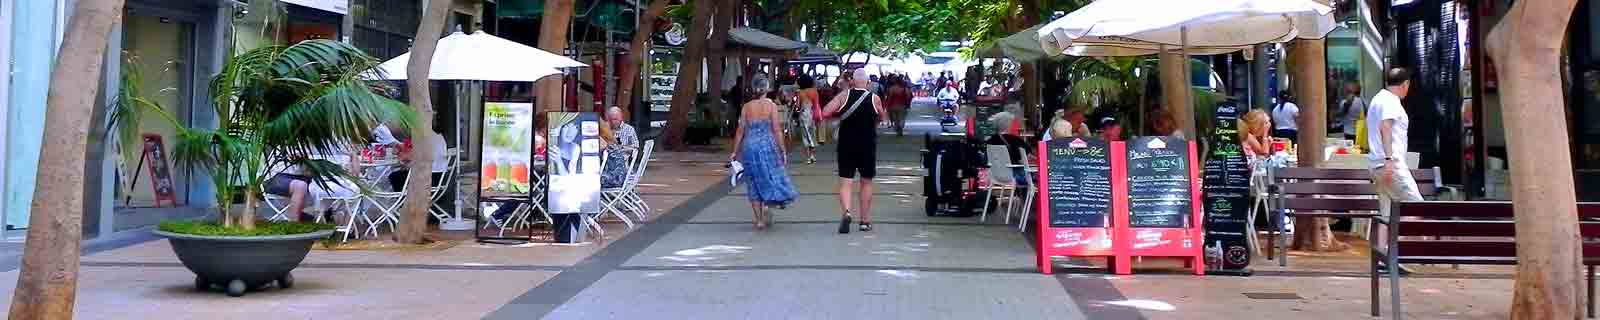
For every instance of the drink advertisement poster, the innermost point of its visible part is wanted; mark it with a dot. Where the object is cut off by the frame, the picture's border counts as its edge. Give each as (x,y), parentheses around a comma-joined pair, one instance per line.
(507,148)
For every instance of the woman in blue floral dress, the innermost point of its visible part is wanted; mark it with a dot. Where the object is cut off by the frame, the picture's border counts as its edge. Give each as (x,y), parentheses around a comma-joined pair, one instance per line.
(763,156)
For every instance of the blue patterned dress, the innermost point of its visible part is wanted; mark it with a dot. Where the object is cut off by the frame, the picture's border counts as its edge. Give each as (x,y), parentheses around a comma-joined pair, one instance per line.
(765,178)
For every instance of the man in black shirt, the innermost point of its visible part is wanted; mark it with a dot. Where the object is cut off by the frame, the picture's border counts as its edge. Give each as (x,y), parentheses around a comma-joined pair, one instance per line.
(860,113)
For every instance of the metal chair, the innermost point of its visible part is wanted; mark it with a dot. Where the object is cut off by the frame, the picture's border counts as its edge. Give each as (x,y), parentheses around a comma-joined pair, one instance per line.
(438,189)
(610,198)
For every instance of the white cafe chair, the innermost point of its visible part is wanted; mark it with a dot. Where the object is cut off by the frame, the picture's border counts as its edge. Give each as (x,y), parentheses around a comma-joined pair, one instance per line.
(437,190)
(1001,181)
(611,198)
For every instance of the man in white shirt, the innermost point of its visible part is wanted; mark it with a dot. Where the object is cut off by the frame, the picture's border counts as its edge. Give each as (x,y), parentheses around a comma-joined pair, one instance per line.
(1285,118)
(1388,140)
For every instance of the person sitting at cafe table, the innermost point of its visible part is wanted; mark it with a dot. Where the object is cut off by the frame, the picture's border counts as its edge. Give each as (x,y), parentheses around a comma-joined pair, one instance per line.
(294,181)
(1009,135)
(441,163)
(1110,129)
(625,143)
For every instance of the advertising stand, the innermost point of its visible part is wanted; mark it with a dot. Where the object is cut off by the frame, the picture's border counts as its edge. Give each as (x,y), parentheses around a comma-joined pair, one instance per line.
(1119,200)
(506,156)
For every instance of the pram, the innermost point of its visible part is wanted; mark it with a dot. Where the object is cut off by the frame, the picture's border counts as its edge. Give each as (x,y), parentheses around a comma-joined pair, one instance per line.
(950,178)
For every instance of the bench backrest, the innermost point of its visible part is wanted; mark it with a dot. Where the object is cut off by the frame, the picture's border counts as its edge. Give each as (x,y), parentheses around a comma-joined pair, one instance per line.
(1474,228)
(1298,187)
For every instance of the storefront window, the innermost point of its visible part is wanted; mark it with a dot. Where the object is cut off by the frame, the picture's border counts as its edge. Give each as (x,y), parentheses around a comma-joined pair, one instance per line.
(156,55)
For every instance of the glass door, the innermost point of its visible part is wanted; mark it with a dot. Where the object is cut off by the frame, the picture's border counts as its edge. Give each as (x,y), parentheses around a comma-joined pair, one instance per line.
(156,64)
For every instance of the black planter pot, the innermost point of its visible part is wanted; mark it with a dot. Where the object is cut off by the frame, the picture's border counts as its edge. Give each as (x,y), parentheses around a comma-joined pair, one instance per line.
(240,264)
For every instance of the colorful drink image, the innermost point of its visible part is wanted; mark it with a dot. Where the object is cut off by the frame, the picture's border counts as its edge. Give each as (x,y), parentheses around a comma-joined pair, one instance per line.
(507,141)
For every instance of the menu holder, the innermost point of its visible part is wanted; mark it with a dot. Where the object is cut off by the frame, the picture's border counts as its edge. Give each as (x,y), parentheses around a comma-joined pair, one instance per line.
(1163,193)
(1226,178)
(1077,207)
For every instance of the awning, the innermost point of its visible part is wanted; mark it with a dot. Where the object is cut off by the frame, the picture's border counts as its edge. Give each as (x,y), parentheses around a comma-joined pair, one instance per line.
(760,39)
(816,55)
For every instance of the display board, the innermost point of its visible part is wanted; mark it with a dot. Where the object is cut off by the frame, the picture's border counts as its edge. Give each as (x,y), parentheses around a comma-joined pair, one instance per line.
(573,162)
(1227,197)
(661,86)
(1079,183)
(155,156)
(1119,200)
(1158,183)
(507,148)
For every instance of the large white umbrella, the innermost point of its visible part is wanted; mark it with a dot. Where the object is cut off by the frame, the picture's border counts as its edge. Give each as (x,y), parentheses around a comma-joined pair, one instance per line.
(481,56)
(1188,23)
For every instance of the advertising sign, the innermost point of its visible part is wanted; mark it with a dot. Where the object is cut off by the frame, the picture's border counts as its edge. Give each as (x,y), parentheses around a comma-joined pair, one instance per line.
(507,148)
(574,162)
(334,6)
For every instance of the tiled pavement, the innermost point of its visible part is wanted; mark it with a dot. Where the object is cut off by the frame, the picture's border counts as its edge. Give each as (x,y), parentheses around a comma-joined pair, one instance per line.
(701,259)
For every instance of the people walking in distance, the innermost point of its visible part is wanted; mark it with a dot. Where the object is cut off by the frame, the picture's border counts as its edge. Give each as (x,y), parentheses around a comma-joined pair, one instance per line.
(1284,118)
(899,101)
(763,154)
(810,115)
(860,113)
(1390,172)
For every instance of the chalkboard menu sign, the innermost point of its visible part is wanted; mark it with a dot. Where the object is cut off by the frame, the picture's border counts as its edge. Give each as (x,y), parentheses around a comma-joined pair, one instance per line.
(1158,183)
(1227,189)
(980,117)
(1078,178)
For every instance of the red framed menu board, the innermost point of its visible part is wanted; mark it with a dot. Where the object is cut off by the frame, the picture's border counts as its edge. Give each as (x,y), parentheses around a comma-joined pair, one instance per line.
(1119,200)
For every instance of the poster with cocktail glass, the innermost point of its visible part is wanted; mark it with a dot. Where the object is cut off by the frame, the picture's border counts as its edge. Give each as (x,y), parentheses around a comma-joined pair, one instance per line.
(573,154)
(507,149)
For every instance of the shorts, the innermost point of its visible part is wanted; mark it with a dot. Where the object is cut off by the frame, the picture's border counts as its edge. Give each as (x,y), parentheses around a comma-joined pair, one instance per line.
(279,184)
(858,158)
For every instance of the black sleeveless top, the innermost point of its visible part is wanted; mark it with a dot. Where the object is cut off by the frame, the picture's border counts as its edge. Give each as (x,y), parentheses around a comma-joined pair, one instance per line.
(862,124)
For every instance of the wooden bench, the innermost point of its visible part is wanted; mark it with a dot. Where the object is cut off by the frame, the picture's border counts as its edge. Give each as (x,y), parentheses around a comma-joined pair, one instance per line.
(1465,232)
(1327,193)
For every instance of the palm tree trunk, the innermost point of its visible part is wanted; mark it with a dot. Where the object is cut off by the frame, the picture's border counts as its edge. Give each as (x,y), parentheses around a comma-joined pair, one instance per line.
(1310,75)
(688,84)
(247,218)
(1526,46)
(48,281)
(553,38)
(639,53)
(414,220)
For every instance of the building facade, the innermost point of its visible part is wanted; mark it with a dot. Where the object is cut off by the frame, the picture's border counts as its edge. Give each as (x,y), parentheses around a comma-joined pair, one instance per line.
(167,50)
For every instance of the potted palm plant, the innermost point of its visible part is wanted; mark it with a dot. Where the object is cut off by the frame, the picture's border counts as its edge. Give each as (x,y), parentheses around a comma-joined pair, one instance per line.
(275,105)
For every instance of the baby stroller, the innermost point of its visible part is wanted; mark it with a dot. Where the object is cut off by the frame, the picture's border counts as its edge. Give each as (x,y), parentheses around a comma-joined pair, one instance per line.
(950,179)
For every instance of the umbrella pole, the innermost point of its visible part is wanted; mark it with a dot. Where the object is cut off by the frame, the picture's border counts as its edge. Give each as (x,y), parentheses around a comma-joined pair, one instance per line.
(1188,90)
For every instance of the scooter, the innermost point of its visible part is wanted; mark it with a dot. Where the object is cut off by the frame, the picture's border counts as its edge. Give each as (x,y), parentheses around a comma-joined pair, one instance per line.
(948,119)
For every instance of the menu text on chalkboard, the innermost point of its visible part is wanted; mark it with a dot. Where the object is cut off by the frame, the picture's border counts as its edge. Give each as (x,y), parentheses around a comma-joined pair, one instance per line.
(1078,181)
(1227,187)
(1158,183)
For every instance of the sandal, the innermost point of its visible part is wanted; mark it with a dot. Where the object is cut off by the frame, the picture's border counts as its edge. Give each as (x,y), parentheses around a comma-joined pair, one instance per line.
(866,226)
(844,223)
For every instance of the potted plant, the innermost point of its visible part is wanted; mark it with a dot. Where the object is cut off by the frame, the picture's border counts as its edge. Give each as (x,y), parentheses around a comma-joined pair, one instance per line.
(275,106)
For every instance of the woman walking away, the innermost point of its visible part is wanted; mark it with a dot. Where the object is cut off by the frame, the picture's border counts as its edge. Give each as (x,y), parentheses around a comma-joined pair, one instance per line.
(860,113)
(810,115)
(1285,118)
(763,155)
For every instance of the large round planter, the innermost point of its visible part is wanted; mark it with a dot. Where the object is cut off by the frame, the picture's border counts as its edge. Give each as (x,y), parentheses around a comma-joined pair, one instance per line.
(238,264)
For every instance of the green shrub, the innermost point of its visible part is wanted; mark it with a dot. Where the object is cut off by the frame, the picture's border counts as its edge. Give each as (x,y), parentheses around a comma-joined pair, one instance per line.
(263,228)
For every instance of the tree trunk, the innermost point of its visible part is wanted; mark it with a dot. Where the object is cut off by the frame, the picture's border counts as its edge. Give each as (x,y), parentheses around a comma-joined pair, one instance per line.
(1030,71)
(638,53)
(716,51)
(1526,47)
(1310,78)
(688,84)
(553,38)
(419,197)
(247,218)
(47,284)
(1175,92)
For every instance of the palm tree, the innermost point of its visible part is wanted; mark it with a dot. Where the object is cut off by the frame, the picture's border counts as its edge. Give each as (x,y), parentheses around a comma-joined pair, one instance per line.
(48,281)
(1119,82)
(284,105)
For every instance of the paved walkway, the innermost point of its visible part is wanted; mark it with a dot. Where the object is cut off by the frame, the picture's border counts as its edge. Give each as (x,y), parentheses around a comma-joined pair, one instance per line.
(700,258)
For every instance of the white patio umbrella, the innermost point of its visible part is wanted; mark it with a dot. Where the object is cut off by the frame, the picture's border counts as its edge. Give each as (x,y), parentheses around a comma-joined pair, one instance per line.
(1186,24)
(481,56)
